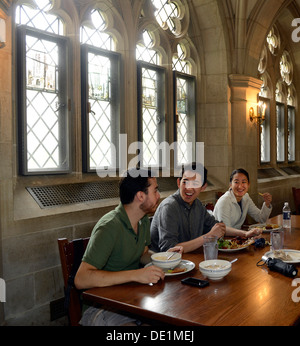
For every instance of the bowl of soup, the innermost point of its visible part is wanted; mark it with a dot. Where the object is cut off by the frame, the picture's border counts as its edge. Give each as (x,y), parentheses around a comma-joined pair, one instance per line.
(160,259)
(215,269)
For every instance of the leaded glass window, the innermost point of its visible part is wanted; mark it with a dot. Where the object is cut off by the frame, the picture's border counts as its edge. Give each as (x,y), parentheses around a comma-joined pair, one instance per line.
(273,40)
(100,90)
(145,51)
(291,133)
(280,131)
(94,34)
(185,107)
(286,68)
(43,98)
(265,155)
(281,95)
(185,118)
(179,62)
(151,82)
(167,15)
(36,16)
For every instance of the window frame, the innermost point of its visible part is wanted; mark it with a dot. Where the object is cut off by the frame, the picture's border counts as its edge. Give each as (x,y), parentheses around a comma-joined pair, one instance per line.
(161,71)
(115,59)
(64,100)
(267,123)
(282,127)
(192,104)
(293,134)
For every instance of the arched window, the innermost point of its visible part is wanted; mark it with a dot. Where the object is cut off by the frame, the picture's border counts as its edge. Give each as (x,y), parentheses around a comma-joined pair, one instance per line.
(185,106)
(265,129)
(291,126)
(100,83)
(51,73)
(43,90)
(279,95)
(166,13)
(280,121)
(151,100)
(273,40)
(150,53)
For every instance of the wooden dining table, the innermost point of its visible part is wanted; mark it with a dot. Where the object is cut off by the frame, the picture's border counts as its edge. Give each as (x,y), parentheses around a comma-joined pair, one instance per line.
(248,296)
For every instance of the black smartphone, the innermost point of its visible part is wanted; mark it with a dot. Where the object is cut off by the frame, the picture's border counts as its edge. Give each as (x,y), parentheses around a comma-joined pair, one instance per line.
(195,282)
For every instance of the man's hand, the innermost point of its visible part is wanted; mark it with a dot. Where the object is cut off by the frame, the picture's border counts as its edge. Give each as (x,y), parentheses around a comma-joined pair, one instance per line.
(218,230)
(176,249)
(150,274)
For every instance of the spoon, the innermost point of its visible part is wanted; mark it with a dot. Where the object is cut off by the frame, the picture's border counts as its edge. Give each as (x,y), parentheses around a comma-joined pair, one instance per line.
(172,254)
(234,260)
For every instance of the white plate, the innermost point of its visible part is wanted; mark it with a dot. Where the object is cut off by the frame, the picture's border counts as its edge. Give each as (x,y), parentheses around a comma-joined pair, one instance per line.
(188,265)
(295,254)
(233,250)
(262,225)
(237,249)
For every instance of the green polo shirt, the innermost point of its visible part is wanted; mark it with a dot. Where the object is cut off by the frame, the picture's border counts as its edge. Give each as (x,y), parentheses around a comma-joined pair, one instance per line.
(114,245)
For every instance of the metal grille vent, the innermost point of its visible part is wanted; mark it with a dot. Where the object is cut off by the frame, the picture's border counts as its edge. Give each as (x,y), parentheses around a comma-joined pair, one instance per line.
(267,173)
(291,170)
(53,196)
(66,194)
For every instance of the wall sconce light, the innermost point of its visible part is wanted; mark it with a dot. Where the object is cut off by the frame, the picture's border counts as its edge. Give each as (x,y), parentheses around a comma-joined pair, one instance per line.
(260,116)
(2,33)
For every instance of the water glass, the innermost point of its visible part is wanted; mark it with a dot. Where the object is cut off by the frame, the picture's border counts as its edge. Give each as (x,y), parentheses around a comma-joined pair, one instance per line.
(277,238)
(210,247)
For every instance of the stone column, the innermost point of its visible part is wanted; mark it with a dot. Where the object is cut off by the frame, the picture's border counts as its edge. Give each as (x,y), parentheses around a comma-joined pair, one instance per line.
(244,133)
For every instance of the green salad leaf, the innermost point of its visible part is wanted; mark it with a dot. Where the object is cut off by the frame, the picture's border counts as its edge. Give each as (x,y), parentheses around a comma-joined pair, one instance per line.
(224,244)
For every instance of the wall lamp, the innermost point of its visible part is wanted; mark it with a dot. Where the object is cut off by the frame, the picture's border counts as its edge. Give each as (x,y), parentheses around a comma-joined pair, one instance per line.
(2,33)
(260,115)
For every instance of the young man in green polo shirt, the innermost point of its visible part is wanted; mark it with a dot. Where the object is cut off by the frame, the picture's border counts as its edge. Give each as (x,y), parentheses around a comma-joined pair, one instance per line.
(117,243)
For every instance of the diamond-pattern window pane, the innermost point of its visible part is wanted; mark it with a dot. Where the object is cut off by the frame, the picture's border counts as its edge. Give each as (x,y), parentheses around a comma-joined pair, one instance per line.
(38,17)
(280,132)
(291,133)
(145,52)
(178,61)
(150,117)
(185,121)
(262,143)
(42,102)
(152,122)
(264,129)
(94,34)
(148,55)
(166,12)
(43,116)
(182,126)
(100,118)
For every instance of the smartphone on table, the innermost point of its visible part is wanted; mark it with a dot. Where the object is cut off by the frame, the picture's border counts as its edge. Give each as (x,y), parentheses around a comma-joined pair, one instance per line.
(195,282)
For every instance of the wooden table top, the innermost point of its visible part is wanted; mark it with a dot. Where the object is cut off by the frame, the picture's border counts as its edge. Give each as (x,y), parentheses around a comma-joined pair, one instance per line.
(249,295)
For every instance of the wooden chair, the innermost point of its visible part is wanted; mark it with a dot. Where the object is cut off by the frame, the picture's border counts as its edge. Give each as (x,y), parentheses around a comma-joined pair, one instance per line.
(296,195)
(209,206)
(71,253)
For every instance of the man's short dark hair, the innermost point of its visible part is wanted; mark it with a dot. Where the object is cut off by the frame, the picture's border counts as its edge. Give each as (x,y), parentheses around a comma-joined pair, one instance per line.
(133,181)
(197,168)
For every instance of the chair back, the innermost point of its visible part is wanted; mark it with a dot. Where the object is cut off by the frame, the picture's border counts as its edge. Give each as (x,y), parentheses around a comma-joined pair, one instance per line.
(296,195)
(71,253)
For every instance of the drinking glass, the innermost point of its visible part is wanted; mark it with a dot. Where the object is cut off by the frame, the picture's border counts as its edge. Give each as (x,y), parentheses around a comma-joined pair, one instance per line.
(277,240)
(210,247)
